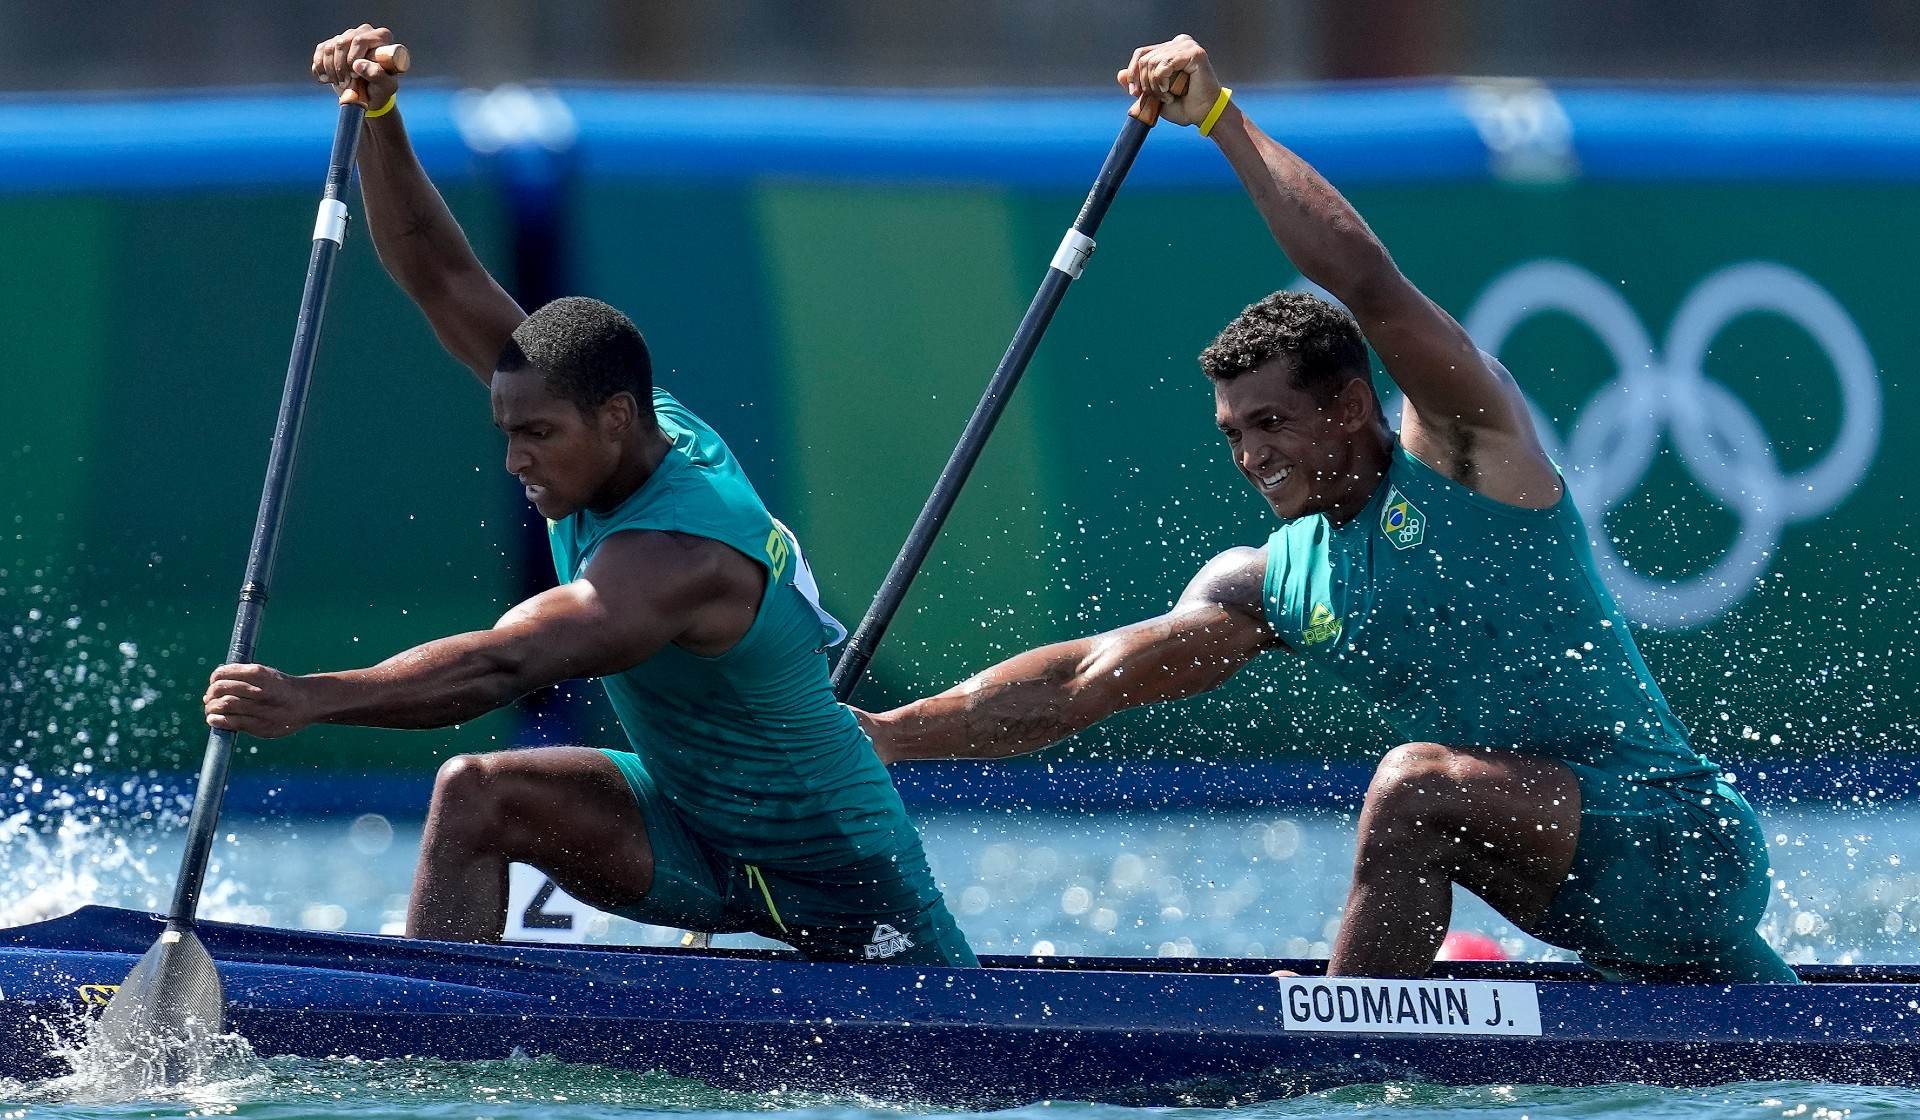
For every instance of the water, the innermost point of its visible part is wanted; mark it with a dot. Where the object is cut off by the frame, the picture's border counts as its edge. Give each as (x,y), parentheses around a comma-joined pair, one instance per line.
(1163,883)
(293,1089)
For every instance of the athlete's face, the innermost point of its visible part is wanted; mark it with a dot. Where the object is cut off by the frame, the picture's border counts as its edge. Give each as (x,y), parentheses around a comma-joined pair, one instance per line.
(1299,454)
(563,458)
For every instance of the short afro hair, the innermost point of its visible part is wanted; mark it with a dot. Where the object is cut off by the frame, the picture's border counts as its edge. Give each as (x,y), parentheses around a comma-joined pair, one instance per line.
(585,351)
(1320,342)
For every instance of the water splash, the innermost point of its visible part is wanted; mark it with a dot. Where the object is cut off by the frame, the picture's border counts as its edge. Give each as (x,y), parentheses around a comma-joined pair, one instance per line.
(76,698)
(62,867)
(235,1079)
(62,849)
(203,1070)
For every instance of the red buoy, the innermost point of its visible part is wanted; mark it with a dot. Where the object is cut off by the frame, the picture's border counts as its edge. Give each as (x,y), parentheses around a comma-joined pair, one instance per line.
(1470,945)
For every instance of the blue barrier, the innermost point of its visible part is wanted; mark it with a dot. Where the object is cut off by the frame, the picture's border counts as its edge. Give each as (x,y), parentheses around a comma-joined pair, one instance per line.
(1360,133)
(1023,139)
(1721,136)
(173,142)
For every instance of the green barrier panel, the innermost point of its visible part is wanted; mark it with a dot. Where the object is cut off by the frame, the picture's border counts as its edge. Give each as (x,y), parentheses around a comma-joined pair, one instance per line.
(839,333)
(148,341)
(837,326)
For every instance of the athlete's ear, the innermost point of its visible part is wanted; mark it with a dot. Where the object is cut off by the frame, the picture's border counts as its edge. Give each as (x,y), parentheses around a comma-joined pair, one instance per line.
(1355,404)
(617,414)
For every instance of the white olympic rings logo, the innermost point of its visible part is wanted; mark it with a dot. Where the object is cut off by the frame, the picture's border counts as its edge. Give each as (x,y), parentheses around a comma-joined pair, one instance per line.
(1722,443)
(1617,434)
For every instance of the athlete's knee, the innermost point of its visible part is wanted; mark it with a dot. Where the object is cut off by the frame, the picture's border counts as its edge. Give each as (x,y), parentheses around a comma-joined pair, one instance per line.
(1415,783)
(468,802)
(464,779)
(1411,813)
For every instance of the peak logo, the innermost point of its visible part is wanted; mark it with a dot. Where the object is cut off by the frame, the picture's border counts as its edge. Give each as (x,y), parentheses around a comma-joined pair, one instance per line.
(887,942)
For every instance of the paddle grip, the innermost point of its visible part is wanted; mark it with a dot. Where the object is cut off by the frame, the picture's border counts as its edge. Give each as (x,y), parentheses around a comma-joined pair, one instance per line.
(1146,108)
(394,58)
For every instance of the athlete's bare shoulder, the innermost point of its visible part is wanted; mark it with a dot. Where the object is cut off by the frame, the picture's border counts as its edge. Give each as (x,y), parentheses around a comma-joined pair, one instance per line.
(1235,579)
(716,587)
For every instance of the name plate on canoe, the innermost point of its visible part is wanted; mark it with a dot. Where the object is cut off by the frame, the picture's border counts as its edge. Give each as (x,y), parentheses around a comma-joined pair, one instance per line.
(1409,1006)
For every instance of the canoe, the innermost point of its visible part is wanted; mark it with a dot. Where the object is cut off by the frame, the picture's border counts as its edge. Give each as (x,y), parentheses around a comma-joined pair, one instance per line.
(1129,1030)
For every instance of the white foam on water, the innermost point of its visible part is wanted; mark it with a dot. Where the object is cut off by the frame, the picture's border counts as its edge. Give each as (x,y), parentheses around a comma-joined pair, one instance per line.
(196,1068)
(61,867)
(73,851)
(67,851)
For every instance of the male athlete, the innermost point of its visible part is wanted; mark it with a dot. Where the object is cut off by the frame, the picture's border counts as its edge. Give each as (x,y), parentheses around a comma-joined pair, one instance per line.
(749,799)
(1444,574)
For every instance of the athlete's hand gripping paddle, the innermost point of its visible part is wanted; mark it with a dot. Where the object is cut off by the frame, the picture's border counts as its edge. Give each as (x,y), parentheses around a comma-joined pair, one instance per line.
(1068,261)
(172,998)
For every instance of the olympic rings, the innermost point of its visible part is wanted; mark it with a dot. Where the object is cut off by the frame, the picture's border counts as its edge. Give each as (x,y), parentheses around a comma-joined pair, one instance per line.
(1723,444)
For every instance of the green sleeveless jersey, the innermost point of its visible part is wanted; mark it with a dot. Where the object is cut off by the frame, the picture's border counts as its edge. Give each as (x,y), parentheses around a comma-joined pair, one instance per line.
(750,745)
(1472,623)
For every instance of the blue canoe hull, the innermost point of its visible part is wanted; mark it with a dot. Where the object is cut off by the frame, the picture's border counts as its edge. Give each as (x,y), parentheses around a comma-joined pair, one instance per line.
(1019,1030)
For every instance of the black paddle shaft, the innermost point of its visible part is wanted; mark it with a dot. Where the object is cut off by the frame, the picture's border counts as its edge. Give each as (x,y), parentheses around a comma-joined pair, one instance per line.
(328,232)
(1067,263)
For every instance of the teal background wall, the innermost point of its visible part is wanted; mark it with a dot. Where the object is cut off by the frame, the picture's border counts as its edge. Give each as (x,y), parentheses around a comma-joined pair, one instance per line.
(147,328)
(832,289)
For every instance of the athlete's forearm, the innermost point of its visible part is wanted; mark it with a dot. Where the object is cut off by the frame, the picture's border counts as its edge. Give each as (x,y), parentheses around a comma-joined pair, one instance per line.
(438,684)
(1047,694)
(414,233)
(1018,706)
(425,251)
(1320,232)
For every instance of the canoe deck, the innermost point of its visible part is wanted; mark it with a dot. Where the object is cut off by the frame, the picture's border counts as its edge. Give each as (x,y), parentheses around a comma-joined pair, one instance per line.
(1120,1029)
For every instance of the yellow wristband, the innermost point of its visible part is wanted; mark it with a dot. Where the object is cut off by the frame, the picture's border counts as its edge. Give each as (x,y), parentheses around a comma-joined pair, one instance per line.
(395,100)
(1213,114)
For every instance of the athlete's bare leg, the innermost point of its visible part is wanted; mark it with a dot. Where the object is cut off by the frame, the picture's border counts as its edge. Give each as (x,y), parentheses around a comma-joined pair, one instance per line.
(565,810)
(1502,825)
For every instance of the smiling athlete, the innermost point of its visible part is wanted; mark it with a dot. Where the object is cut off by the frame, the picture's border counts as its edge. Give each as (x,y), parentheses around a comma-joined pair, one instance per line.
(1443,573)
(750,799)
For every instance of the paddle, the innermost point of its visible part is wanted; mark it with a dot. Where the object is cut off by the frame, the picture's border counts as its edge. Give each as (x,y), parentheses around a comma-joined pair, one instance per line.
(1068,261)
(172,996)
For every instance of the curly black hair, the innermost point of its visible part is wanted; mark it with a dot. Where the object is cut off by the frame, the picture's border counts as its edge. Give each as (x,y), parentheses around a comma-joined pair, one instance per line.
(585,351)
(1320,342)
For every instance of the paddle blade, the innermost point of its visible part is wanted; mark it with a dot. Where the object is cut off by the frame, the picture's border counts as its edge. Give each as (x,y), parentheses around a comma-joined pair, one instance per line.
(167,1009)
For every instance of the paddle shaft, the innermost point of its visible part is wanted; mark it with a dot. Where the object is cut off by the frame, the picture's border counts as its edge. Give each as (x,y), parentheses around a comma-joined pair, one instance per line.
(329,231)
(1067,264)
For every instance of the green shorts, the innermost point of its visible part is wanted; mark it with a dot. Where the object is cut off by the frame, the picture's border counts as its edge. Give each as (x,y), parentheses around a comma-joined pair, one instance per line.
(1667,884)
(885,910)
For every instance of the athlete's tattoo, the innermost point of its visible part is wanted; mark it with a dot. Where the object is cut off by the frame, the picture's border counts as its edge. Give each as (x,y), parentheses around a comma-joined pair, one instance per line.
(1020,727)
(420,223)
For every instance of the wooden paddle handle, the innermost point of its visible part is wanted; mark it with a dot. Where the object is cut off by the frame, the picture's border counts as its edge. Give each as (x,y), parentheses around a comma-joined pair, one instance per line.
(1146,108)
(393,58)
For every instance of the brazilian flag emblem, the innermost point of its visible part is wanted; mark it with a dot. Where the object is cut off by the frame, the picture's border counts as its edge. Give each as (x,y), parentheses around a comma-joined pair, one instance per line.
(1402,521)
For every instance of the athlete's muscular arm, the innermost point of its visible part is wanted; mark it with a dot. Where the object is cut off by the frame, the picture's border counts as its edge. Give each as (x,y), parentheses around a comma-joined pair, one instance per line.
(1043,696)
(1445,376)
(414,233)
(641,591)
